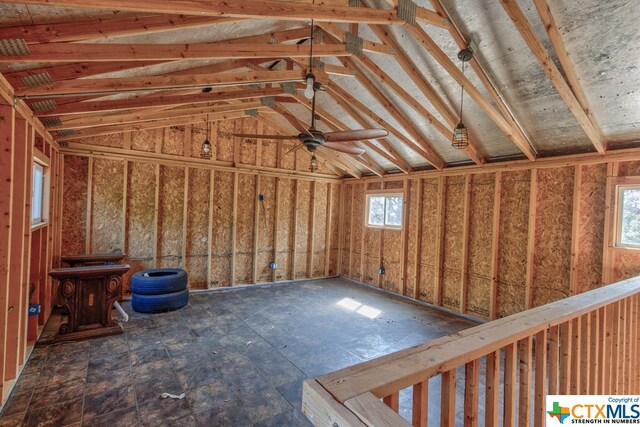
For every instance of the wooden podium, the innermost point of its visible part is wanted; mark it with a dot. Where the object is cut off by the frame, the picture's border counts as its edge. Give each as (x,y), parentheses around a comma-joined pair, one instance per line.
(92,259)
(88,293)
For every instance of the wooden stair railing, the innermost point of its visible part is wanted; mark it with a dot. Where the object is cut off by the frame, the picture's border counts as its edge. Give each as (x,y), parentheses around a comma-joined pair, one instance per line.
(585,344)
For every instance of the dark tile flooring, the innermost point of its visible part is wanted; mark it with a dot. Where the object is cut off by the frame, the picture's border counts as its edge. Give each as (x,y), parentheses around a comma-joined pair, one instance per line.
(239,356)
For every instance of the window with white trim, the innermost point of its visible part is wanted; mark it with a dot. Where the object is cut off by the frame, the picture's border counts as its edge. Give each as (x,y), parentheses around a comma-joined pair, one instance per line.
(628,216)
(39,195)
(384,210)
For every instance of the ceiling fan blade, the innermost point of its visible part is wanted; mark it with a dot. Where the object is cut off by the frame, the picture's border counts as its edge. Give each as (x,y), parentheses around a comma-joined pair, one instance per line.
(355,135)
(344,148)
(249,135)
(294,148)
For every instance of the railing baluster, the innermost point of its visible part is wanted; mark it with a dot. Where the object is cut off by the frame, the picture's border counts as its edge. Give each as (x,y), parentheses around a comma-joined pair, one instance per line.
(541,378)
(554,354)
(420,399)
(393,401)
(626,321)
(603,352)
(635,381)
(594,351)
(471,380)
(585,355)
(615,348)
(576,354)
(510,385)
(565,358)
(492,382)
(448,403)
(524,410)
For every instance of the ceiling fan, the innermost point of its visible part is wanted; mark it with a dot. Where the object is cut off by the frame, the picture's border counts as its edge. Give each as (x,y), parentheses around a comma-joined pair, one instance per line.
(314,138)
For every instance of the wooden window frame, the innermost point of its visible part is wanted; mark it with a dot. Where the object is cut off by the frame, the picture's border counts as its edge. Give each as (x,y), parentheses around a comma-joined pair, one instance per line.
(385,194)
(622,184)
(43,161)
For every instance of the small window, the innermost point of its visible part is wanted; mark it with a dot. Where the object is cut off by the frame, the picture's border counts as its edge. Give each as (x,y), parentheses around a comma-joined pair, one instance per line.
(38,195)
(384,210)
(628,221)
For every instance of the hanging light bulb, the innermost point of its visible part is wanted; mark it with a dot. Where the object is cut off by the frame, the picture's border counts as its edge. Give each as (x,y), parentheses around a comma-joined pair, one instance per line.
(460,138)
(308,92)
(206,152)
(313,165)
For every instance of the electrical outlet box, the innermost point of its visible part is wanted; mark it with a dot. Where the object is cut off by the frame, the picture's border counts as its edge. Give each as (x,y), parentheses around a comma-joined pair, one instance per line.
(273,265)
(261,197)
(381,270)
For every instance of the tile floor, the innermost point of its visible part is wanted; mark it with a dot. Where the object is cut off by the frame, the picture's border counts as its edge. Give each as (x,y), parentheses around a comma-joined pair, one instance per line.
(240,358)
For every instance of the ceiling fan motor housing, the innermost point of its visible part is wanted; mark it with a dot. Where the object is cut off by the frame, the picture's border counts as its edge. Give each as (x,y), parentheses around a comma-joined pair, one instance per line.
(313,141)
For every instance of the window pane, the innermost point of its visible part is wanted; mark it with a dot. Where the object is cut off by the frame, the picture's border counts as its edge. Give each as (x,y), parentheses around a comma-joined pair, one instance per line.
(36,195)
(630,217)
(394,211)
(376,210)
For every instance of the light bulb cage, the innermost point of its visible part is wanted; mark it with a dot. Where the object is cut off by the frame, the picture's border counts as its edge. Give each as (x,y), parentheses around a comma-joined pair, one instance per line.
(460,138)
(206,152)
(313,164)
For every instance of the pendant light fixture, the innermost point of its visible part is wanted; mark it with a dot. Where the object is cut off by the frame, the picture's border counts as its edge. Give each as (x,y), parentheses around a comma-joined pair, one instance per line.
(206,152)
(313,166)
(460,138)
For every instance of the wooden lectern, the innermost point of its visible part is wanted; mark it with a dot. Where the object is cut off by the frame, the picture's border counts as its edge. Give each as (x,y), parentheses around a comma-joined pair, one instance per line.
(88,294)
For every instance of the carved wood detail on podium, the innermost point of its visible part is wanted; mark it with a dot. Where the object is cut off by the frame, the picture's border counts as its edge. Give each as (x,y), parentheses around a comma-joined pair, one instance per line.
(88,293)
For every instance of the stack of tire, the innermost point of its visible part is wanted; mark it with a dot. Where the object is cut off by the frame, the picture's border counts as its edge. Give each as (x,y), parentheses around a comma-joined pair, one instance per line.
(159,290)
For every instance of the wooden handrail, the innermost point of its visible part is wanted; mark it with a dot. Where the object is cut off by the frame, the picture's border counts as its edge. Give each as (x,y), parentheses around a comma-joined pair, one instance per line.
(360,387)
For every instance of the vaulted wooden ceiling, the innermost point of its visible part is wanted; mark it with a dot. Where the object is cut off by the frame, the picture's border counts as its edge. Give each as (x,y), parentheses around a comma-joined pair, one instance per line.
(547,77)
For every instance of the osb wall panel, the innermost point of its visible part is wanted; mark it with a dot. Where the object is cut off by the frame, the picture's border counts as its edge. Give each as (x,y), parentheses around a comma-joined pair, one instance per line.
(302,228)
(268,148)
(412,235)
(141,215)
(626,265)
(286,238)
(453,242)
(392,250)
(358,231)
(288,160)
(197,239)
(334,242)
(629,169)
(372,242)
(145,140)
(170,216)
(108,191)
(115,140)
(429,239)
(552,253)
(248,146)
(512,248)
(266,224)
(222,226)
(480,250)
(347,226)
(198,133)
(320,229)
(74,218)
(245,227)
(591,227)
(225,142)
(173,140)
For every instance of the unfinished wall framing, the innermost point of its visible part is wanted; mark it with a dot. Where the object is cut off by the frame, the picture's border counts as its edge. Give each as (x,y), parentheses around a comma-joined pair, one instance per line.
(223,221)
(493,242)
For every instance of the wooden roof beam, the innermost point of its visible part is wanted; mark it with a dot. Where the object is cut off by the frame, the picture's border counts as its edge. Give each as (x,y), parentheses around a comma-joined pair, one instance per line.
(283,10)
(573,81)
(367,46)
(154,124)
(428,91)
(101,52)
(142,102)
(153,114)
(445,62)
(104,28)
(462,41)
(194,81)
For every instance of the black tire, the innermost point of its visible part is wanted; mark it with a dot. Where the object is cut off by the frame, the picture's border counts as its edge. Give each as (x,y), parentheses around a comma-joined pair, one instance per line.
(160,303)
(158,281)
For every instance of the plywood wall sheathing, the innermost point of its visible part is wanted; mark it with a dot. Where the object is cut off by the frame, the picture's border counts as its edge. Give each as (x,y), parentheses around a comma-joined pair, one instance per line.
(225,141)
(170,216)
(248,146)
(173,140)
(143,140)
(222,225)
(302,228)
(347,227)
(320,222)
(392,246)
(266,228)
(552,260)
(286,237)
(480,247)
(453,242)
(430,241)
(115,141)
(512,251)
(197,226)
(357,230)
(108,193)
(244,226)
(74,219)
(334,235)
